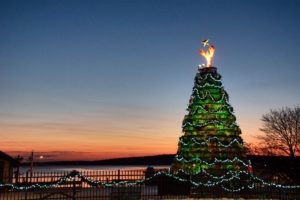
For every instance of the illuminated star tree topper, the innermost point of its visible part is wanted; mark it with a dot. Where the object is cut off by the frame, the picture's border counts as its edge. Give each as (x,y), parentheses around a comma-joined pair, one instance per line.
(208,54)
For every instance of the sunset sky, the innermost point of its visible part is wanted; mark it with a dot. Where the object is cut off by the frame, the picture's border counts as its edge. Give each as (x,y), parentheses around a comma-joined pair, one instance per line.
(87,80)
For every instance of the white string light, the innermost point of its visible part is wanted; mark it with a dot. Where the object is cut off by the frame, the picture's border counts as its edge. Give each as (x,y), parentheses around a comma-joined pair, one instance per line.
(206,75)
(207,93)
(193,140)
(209,183)
(216,160)
(218,111)
(209,85)
(208,123)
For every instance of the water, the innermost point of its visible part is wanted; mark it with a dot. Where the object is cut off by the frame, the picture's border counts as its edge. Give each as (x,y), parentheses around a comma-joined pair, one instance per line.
(23,169)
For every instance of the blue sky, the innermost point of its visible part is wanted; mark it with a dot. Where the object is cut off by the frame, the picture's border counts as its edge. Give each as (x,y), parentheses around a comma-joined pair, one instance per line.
(114,77)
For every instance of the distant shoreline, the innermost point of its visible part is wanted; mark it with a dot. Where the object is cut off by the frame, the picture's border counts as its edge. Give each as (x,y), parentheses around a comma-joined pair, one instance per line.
(165,159)
(90,168)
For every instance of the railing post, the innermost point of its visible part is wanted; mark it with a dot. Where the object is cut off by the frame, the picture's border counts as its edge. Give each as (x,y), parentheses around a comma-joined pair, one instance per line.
(26,179)
(74,189)
(26,194)
(280,193)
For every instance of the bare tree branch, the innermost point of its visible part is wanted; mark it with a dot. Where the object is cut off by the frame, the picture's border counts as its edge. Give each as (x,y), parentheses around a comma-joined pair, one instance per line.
(282,131)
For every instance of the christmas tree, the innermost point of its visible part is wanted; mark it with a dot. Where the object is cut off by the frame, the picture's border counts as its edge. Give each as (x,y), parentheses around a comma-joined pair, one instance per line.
(211,141)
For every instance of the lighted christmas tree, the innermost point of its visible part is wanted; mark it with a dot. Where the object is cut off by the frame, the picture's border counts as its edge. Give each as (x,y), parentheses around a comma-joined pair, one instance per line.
(211,141)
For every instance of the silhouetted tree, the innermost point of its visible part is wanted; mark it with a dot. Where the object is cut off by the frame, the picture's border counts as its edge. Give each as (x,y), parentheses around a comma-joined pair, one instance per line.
(282,130)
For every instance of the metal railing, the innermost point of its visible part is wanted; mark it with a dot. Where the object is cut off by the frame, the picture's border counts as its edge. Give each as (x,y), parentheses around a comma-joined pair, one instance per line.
(126,185)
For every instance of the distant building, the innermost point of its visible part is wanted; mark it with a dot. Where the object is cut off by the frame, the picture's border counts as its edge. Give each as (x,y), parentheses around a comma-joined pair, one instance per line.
(6,168)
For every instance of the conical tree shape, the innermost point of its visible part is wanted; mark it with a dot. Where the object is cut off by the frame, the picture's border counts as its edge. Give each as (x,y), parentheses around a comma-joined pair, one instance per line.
(211,139)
